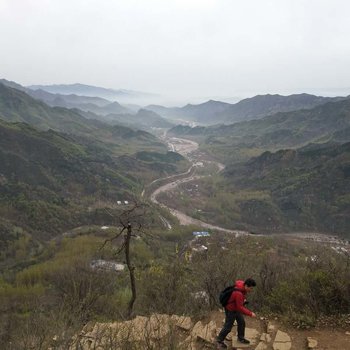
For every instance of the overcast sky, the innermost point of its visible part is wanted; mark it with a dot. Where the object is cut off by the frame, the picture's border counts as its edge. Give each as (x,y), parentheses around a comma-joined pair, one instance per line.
(182,48)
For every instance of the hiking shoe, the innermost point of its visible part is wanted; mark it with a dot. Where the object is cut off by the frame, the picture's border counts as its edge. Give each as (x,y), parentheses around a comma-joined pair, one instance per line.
(221,345)
(244,341)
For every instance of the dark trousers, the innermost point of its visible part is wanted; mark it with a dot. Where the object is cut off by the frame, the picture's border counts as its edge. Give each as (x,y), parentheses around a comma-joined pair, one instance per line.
(231,316)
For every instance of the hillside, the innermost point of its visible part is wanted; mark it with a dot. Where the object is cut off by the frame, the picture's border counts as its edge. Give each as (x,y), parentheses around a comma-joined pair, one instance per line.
(49,180)
(305,189)
(81,89)
(295,279)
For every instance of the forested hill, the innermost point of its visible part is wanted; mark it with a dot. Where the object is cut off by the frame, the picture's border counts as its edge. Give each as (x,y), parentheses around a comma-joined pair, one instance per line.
(48,180)
(304,189)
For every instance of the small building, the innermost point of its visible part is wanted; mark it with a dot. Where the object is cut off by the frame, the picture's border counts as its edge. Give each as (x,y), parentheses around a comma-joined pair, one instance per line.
(200,233)
(106,265)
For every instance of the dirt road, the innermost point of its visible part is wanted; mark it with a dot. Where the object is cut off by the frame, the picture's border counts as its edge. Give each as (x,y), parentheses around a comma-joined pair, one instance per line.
(186,148)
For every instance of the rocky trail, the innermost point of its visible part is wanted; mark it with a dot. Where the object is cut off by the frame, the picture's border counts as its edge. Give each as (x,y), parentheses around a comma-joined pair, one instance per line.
(161,331)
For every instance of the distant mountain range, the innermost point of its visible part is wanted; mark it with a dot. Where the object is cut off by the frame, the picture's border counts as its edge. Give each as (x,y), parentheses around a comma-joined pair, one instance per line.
(235,142)
(98,100)
(216,112)
(88,90)
(17,106)
(112,95)
(96,108)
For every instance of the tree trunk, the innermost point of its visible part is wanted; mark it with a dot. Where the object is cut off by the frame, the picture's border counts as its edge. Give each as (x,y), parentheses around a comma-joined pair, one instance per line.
(131,270)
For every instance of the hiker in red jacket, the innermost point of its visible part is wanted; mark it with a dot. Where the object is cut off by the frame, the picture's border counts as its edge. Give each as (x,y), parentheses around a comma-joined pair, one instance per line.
(235,310)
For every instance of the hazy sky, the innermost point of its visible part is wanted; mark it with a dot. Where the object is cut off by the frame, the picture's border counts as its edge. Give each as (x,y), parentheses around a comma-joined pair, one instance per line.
(180,48)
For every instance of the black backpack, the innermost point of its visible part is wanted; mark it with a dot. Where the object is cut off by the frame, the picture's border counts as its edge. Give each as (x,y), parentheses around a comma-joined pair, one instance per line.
(225,295)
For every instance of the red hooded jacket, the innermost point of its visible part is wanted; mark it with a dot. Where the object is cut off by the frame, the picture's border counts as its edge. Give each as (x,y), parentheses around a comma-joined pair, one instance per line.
(235,303)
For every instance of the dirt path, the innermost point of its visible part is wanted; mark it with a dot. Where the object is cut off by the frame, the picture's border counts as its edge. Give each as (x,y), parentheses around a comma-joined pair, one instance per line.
(327,338)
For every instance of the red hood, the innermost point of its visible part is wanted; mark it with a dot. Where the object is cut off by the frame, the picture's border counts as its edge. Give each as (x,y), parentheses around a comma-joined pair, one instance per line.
(239,284)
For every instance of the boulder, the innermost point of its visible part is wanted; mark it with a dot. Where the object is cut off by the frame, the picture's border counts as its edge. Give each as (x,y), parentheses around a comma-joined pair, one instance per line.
(311,343)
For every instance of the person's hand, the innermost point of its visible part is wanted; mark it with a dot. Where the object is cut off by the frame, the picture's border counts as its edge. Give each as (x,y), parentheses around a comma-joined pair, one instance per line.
(253,314)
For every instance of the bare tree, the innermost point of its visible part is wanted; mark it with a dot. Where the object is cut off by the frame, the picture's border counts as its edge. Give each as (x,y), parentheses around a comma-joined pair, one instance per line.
(131,221)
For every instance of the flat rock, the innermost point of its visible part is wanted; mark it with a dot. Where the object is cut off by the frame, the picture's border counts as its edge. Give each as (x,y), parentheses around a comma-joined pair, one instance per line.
(251,334)
(282,341)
